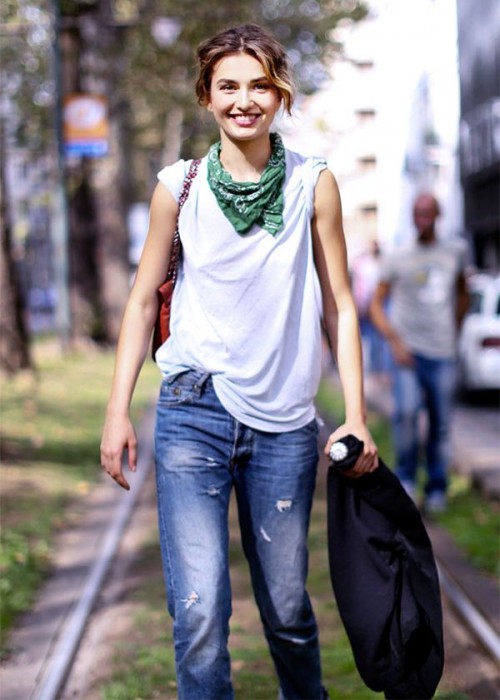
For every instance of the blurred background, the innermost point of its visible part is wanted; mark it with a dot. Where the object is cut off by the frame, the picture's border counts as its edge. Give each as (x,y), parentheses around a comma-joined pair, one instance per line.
(98,95)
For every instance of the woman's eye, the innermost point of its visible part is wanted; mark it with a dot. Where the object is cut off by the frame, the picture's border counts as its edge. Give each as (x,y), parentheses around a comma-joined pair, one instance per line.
(227,88)
(262,87)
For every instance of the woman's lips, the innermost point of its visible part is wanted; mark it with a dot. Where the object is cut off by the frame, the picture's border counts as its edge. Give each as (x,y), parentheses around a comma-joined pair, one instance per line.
(245,119)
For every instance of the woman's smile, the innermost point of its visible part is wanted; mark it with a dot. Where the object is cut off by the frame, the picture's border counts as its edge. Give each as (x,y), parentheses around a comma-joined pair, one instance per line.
(245,120)
(242,99)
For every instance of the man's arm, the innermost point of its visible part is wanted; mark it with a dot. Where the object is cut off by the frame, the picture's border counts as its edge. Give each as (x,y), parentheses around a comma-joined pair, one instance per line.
(463,299)
(382,323)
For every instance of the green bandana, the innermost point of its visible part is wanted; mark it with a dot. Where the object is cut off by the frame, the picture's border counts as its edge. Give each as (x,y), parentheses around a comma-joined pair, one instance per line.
(249,203)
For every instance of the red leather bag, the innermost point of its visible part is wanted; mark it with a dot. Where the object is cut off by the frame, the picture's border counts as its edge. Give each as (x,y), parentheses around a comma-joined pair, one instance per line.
(161,329)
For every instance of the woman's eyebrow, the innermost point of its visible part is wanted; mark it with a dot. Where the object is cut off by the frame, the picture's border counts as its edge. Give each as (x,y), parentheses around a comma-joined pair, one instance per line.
(232,81)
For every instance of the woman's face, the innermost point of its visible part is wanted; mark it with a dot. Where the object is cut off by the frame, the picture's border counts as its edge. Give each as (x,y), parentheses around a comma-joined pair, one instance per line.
(242,100)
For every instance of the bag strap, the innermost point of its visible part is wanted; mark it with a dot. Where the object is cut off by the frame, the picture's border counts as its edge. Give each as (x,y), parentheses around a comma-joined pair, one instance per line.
(175,255)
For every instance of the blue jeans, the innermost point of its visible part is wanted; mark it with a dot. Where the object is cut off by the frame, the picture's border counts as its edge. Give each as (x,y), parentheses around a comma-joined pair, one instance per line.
(376,351)
(201,452)
(431,384)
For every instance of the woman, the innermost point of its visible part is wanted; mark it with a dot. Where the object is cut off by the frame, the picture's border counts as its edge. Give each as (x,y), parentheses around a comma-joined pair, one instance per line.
(263,265)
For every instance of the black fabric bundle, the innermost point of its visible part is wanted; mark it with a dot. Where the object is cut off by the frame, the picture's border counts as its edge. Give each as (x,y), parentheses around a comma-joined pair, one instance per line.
(385,580)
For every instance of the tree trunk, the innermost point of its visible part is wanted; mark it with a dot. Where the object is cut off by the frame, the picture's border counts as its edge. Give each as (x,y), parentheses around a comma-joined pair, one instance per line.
(110,174)
(14,340)
(84,275)
(110,187)
(83,267)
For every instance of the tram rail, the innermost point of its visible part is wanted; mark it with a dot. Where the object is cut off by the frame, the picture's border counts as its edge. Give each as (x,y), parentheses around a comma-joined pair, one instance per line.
(51,684)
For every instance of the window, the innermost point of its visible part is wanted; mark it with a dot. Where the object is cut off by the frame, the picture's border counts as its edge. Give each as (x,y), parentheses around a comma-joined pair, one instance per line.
(365,115)
(367,162)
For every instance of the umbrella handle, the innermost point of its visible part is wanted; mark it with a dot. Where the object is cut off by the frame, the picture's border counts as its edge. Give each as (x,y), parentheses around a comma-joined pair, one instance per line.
(345,452)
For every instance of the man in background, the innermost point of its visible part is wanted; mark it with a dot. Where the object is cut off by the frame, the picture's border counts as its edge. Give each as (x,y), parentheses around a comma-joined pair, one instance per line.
(426,287)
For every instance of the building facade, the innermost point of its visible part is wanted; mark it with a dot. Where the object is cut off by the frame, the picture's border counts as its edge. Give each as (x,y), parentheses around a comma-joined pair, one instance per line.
(479,52)
(388,120)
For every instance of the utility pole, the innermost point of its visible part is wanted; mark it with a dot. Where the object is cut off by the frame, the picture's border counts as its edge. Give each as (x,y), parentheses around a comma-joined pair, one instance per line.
(60,225)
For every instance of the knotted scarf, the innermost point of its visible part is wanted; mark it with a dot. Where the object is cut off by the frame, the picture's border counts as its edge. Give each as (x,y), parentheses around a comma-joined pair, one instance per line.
(249,203)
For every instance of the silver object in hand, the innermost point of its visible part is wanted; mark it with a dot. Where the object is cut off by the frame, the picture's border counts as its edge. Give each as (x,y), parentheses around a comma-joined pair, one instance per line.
(338,452)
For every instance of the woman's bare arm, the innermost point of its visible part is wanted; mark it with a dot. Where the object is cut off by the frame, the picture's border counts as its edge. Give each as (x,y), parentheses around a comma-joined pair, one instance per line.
(135,334)
(340,316)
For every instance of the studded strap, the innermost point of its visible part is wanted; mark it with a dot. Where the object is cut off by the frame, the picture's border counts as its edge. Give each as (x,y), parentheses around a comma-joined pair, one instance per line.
(176,243)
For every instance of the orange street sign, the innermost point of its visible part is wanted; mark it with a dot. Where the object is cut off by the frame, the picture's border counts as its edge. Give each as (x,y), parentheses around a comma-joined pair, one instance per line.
(85,125)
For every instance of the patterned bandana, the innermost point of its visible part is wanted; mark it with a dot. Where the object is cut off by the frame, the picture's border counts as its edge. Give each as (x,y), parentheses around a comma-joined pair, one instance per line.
(249,203)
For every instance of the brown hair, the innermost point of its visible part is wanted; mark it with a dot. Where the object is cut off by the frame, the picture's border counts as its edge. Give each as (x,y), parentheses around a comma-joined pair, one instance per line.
(255,41)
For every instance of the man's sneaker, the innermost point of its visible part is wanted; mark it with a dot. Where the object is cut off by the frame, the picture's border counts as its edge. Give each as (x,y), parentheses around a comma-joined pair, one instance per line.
(410,489)
(435,502)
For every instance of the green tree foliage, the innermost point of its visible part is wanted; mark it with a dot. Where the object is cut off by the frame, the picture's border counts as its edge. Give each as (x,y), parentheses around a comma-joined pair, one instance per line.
(26,89)
(26,77)
(116,47)
(159,80)
(153,79)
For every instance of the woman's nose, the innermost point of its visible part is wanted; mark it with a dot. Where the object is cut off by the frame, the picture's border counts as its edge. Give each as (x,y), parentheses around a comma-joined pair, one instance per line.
(244,99)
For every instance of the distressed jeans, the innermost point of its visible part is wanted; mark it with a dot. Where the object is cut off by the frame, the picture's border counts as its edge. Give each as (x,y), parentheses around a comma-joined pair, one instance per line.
(201,453)
(431,384)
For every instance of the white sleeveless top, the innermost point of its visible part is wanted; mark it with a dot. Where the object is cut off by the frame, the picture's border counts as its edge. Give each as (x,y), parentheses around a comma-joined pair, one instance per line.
(247,309)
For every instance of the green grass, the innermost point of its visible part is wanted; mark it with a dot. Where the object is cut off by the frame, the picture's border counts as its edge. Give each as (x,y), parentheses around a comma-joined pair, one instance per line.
(50,438)
(331,406)
(474,524)
(143,667)
(50,433)
(472,521)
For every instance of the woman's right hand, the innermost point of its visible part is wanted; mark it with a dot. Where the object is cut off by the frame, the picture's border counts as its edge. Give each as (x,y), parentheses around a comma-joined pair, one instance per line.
(135,334)
(118,435)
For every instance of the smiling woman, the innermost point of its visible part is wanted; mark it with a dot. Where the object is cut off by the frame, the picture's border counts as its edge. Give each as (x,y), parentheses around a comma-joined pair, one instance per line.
(252,41)
(263,269)
(243,101)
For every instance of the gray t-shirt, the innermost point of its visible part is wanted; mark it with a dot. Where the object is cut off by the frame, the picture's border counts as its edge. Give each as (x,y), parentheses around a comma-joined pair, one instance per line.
(423,281)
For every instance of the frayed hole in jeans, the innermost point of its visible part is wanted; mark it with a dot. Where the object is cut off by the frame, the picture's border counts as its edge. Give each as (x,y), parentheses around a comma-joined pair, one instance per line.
(192,599)
(282,506)
(264,534)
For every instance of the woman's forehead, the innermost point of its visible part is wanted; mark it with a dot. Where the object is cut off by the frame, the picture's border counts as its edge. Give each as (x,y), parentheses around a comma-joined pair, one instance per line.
(237,64)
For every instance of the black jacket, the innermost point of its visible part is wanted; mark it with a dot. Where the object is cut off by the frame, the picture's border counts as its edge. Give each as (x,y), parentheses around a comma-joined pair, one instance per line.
(385,581)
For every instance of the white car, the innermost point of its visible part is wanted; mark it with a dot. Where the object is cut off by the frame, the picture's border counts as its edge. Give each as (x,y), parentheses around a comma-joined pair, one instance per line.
(479,340)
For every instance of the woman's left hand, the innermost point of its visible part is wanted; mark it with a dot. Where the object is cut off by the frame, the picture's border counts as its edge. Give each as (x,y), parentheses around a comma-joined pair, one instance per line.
(368,459)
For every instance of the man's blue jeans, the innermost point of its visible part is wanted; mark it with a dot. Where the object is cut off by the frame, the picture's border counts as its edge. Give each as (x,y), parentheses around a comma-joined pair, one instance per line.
(431,384)
(201,452)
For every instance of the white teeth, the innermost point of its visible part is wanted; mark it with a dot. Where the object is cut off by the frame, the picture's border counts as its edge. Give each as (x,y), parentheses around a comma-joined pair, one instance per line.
(244,120)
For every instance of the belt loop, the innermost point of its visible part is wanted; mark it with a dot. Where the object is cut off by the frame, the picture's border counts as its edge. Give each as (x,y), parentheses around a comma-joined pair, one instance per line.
(199,385)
